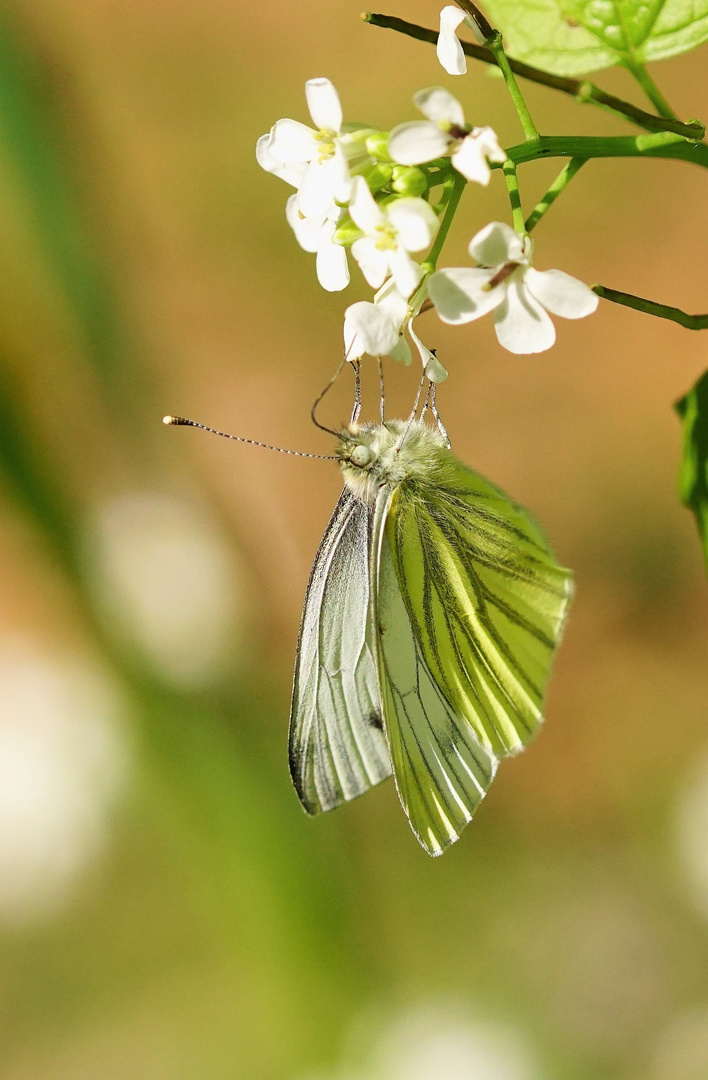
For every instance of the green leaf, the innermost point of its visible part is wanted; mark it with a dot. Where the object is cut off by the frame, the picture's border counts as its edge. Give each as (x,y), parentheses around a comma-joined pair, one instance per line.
(693,474)
(572,37)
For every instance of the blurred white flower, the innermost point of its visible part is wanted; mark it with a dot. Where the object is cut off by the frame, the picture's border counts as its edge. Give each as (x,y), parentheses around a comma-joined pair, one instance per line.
(445,130)
(63,763)
(692,832)
(391,233)
(506,283)
(168,581)
(444,1042)
(315,234)
(317,153)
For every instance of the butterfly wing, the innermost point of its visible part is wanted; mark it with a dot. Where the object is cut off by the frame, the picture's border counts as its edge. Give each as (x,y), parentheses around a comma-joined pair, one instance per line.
(337,745)
(485,597)
(442,771)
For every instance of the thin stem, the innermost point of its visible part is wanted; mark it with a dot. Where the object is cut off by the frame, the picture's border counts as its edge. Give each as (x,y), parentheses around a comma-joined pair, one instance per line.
(660,145)
(497,48)
(458,186)
(564,177)
(582,90)
(662,311)
(651,90)
(512,186)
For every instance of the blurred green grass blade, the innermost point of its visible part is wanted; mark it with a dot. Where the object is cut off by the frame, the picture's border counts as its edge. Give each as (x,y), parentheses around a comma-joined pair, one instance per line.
(693,472)
(31,129)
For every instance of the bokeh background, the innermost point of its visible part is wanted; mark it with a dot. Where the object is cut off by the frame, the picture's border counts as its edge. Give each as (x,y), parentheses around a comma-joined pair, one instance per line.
(166,910)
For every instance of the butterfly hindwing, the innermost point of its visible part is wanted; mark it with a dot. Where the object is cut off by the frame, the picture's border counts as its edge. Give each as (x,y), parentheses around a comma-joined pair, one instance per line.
(485,597)
(337,746)
(441,769)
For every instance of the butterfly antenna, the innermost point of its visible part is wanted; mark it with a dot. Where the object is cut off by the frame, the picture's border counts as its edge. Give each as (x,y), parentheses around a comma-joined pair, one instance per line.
(382,392)
(356,410)
(181,421)
(328,387)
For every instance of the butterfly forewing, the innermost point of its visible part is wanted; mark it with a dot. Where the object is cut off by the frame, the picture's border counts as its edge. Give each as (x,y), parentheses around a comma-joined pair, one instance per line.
(442,771)
(337,745)
(485,597)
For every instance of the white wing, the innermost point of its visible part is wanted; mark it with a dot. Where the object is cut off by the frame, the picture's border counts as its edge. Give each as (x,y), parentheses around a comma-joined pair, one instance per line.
(337,745)
(441,769)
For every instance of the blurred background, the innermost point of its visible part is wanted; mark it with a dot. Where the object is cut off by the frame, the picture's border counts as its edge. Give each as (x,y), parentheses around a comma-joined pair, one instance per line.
(166,909)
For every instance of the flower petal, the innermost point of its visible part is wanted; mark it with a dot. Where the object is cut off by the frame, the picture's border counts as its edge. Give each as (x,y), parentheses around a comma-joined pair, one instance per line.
(307,230)
(363,209)
(315,196)
(459,295)
(391,301)
(339,178)
(521,323)
(406,272)
(432,367)
(373,262)
(372,327)
(291,174)
(440,106)
(324,105)
(488,139)
(496,244)
(416,142)
(561,294)
(290,141)
(401,352)
(414,220)
(469,160)
(331,263)
(449,50)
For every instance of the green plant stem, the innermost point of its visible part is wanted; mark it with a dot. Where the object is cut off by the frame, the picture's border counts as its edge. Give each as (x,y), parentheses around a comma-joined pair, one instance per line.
(651,90)
(666,145)
(496,46)
(458,186)
(582,90)
(564,177)
(512,186)
(650,307)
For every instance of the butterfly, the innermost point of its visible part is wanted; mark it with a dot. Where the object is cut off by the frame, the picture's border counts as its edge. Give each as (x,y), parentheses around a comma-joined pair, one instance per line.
(431,618)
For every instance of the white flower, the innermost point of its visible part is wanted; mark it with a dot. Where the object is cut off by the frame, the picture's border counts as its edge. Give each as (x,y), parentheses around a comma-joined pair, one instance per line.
(506,283)
(391,233)
(315,234)
(449,50)
(379,329)
(317,152)
(291,174)
(423,140)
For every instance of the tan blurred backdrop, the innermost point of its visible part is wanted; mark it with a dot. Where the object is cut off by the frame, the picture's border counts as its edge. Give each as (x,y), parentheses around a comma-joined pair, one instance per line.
(166,911)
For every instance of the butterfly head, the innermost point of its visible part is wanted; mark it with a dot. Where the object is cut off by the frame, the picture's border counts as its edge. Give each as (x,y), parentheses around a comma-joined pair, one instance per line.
(372,455)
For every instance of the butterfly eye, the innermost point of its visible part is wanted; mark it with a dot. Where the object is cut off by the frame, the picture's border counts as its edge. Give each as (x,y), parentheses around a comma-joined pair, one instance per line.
(361,456)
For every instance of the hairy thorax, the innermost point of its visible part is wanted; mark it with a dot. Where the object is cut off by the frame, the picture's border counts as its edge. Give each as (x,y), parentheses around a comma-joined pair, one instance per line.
(372,456)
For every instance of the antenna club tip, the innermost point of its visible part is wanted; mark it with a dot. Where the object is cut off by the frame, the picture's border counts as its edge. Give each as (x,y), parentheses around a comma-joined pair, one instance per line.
(170,420)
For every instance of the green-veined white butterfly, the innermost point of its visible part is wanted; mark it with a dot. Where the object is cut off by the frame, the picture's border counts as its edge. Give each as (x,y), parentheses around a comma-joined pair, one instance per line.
(431,617)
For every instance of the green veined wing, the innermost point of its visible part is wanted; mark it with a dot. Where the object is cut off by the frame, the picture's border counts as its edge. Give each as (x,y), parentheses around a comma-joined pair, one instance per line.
(337,745)
(485,596)
(441,769)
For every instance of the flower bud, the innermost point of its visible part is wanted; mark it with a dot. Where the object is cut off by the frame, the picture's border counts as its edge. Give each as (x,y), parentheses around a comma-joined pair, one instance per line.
(346,232)
(407,180)
(377,146)
(377,176)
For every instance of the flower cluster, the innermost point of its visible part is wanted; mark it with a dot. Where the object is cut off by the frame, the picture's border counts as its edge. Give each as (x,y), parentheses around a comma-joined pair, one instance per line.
(388,198)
